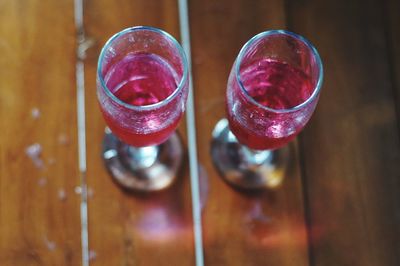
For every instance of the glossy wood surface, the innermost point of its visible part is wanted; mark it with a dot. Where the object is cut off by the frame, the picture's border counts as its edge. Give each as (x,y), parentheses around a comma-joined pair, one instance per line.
(126,228)
(339,204)
(350,150)
(39,210)
(265,228)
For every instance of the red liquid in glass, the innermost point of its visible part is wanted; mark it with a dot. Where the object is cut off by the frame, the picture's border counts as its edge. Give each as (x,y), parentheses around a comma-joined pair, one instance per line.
(141,79)
(276,85)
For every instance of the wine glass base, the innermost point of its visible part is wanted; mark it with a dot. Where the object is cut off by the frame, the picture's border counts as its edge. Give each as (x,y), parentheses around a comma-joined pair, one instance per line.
(149,168)
(246,168)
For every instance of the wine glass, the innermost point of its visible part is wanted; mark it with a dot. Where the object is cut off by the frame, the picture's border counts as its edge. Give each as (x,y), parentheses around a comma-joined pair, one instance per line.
(272,91)
(142,87)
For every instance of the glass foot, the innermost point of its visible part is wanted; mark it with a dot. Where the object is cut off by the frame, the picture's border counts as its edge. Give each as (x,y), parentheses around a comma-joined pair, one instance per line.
(246,168)
(143,169)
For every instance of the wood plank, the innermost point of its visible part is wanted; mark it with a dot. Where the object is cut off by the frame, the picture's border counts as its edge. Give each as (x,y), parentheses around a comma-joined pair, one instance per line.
(392,19)
(240,229)
(351,146)
(39,211)
(127,228)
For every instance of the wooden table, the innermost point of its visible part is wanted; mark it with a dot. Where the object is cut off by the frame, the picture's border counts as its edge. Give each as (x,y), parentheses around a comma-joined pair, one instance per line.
(340,205)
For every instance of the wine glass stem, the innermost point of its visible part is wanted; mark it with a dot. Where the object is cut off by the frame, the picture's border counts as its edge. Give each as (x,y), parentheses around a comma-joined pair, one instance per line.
(148,168)
(255,157)
(142,157)
(244,167)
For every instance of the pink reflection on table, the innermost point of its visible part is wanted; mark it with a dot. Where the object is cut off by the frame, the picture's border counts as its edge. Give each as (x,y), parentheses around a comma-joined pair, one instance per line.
(166,217)
(263,228)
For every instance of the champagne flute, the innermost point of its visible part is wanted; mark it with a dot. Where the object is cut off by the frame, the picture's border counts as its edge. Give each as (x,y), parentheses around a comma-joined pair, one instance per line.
(272,91)
(142,87)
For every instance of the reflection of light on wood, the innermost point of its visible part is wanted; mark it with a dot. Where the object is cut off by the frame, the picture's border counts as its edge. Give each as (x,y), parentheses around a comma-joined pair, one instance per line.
(92,255)
(157,225)
(293,235)
(270,235)
(266,231)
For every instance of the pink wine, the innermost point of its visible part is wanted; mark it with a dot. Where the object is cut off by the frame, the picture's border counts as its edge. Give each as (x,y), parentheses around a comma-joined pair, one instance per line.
(276,85)
(140,80)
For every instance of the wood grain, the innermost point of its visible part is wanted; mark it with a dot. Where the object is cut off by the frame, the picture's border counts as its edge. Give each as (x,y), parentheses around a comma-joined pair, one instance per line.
(349,153)
(127,228)
(39,211)
(392,19)
(240,229)
(351,146)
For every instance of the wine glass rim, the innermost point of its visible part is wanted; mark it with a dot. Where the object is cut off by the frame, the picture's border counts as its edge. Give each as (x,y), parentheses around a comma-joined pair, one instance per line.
(165,101)
(315,53)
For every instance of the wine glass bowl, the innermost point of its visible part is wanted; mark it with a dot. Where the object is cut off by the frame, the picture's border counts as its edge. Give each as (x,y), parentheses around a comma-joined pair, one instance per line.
(142,87)
(272,91)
